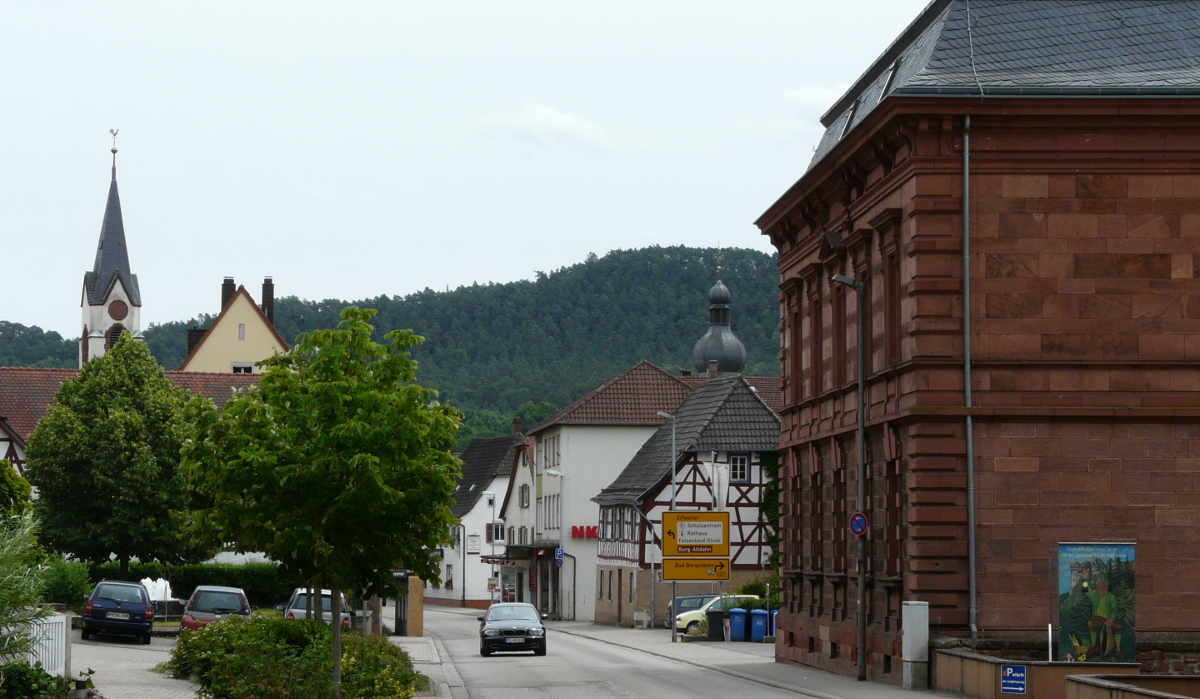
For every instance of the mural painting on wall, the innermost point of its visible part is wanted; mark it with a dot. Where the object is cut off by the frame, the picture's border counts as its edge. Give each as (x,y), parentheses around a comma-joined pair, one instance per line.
(1096,602)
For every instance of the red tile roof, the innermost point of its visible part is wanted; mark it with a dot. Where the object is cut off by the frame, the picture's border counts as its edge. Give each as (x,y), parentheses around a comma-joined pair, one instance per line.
(632,397)
(635,396)
(26,393)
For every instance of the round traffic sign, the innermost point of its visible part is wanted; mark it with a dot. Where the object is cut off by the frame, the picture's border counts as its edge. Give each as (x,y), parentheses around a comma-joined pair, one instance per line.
(859,524)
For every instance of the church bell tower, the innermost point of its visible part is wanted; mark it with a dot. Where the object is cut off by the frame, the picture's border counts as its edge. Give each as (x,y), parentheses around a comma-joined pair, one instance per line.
(111,301)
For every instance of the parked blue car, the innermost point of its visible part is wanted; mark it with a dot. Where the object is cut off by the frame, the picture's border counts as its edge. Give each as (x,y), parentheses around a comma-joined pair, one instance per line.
(118,608)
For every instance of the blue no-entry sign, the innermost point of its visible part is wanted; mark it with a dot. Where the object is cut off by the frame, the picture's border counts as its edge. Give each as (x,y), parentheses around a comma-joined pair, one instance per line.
(1012,679)
(859,524)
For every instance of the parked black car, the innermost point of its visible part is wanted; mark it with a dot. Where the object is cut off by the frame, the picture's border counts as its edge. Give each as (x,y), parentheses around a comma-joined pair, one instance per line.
(512,626)
(120,608)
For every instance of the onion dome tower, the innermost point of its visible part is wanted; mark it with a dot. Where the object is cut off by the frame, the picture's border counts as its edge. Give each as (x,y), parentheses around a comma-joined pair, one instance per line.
(719,344)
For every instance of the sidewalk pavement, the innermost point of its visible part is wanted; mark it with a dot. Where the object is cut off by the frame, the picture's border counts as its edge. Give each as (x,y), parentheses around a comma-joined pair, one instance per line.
(754,662)
(430,658)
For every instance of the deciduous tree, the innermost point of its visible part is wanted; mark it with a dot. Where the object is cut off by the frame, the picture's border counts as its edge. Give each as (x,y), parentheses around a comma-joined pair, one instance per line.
(337,465)
(105,459)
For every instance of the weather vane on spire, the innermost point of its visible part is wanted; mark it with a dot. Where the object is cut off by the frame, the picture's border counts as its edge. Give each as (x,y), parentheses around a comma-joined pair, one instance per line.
(114,132)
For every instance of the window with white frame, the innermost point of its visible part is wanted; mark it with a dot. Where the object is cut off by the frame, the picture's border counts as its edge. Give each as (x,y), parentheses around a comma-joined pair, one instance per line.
(449,577)
(498,531)
(739,468)
(525,496)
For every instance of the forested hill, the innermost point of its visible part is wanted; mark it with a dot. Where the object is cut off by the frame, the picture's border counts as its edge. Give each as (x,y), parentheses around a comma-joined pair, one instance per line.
(528,346)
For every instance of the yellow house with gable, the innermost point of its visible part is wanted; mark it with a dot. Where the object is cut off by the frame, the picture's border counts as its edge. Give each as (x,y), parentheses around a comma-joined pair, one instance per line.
(240,337)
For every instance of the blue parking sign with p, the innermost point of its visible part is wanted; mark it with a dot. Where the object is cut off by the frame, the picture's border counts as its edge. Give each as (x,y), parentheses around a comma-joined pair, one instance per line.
(1012,679)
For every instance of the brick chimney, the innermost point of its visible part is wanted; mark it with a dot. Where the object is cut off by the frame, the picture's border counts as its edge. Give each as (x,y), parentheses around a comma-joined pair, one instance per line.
(268,299)
(227,291)
(193,338)
(518,426)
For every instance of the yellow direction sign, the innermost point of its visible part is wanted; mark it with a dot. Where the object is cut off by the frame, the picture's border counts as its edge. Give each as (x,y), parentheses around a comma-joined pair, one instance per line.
(702,569)
(696,534)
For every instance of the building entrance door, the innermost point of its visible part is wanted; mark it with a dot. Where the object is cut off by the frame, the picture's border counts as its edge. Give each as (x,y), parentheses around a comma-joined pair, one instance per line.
(520,586)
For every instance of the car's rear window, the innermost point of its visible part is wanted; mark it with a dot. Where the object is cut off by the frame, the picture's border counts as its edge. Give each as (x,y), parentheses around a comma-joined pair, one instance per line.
(119,593)
(217,601)
(301,602)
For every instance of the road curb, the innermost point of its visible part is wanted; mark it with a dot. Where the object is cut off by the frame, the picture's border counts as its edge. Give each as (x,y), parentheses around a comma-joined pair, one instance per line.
(730,673)
(450,672)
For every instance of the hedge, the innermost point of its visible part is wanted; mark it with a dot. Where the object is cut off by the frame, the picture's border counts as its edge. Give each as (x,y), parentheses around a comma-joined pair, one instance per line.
(264,583)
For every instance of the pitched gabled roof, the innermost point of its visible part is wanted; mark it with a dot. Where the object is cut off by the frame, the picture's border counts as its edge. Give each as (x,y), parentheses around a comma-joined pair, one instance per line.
(632,397)
(241,291)
(721,414)
(484,459)
(769,388)
(112,256)
(26,393)
(1030,48)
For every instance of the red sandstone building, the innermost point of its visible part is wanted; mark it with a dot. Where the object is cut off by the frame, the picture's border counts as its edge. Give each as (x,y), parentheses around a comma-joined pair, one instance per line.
(1079,126)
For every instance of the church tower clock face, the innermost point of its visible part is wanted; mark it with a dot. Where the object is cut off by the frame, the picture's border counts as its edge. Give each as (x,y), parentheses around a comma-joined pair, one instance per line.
(117,310)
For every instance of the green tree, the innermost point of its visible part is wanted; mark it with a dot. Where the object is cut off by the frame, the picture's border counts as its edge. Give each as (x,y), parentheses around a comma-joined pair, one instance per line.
(337,465)
(105,462)
(20,584)
(14,490)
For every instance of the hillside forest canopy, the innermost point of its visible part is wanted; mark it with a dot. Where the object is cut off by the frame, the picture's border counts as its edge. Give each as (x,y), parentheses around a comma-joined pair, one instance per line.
(528,347)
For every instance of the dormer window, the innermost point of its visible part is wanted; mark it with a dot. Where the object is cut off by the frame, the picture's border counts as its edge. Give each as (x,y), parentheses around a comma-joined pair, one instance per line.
(849,120)
(887,84)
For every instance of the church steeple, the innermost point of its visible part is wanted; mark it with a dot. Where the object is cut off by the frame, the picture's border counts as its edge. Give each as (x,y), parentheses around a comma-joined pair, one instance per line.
(112,301)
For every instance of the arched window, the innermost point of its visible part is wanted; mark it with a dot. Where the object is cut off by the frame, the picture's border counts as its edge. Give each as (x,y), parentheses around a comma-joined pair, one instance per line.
(113,334)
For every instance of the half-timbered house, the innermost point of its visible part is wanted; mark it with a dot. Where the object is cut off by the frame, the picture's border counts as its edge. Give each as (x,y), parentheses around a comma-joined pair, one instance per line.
(723,432)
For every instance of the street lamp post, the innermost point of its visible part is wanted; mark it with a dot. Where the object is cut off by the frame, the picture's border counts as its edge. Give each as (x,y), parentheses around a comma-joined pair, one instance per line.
(674,455)
(491,500)
(859,287)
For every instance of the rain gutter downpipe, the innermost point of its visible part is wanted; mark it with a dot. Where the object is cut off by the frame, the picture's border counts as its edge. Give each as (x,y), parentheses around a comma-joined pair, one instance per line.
(967,402)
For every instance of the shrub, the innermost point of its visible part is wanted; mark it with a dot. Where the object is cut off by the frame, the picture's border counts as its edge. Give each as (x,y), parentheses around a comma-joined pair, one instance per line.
(265,583)
(276,658)
(24,681)
(372,667)
(65,582)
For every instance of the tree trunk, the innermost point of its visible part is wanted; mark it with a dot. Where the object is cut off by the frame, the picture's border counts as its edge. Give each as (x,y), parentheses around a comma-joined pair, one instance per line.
(376,605)
(124,566)
(337,643)
(308,603)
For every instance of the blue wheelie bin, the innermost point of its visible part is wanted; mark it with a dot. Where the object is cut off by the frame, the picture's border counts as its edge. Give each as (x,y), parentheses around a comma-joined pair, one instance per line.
(758,625)
(737,624)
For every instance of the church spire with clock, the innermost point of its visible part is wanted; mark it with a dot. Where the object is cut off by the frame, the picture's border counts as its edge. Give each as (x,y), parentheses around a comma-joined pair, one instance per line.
(111,301)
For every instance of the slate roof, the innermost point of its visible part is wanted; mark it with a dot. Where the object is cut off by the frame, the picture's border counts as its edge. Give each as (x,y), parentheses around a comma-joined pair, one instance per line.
(26,393)
(1030,48)
(721,414)
(769,388)
(112,256)
(484,459)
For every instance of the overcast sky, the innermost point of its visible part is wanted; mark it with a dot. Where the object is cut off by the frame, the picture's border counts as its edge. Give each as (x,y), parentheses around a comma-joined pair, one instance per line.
(354,149)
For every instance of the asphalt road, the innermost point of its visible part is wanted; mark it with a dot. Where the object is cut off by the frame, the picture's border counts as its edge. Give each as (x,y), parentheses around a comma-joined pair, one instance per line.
(577,667)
